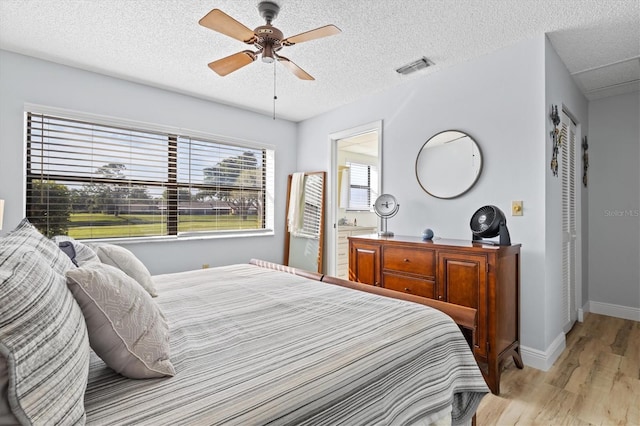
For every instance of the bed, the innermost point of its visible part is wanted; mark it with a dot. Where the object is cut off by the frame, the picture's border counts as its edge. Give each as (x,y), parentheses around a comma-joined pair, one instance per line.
(255,343)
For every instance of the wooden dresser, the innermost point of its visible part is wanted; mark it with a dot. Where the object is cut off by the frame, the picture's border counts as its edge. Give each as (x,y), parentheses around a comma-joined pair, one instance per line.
(481,276)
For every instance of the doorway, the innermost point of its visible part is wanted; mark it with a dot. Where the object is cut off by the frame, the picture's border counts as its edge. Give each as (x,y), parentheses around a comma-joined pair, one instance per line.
(356,180)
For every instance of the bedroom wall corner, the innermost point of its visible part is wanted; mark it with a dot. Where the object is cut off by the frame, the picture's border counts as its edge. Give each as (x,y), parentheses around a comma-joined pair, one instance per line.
(560,90)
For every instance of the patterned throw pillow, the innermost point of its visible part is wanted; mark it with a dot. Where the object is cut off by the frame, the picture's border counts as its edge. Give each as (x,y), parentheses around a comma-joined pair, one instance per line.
(43,336)
(128,263)
(126,327)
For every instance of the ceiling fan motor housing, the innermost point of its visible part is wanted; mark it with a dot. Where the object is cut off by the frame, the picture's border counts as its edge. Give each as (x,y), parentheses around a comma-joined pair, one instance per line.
(488,222)
(269,38)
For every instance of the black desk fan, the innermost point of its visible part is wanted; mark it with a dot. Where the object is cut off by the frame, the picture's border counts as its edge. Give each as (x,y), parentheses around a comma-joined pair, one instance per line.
(489,222)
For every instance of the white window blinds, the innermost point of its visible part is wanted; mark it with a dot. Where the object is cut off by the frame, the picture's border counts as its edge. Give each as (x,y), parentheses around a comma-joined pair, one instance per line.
(363,186)
(91,180)
(313,198)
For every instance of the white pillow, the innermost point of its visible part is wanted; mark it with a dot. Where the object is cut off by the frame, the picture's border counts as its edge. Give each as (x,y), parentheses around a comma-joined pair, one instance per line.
(128,263)
(126,327)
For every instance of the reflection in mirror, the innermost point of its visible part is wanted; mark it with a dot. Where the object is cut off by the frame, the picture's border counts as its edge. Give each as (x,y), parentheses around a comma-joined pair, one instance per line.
(305,221)
(448,164)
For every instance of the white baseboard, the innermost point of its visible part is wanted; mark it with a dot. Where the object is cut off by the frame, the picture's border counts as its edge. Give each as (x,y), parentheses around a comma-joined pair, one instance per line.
(544,360)
(581,311)
(617,311)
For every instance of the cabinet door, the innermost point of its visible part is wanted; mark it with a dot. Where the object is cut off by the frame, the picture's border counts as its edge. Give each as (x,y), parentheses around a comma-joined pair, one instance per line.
(462,279)
(364,262)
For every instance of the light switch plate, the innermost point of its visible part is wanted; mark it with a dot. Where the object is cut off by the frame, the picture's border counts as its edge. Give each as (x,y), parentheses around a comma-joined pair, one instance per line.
(516,208)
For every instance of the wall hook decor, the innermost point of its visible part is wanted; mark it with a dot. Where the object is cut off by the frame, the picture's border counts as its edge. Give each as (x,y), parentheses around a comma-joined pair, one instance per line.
(585,161)
(555,138)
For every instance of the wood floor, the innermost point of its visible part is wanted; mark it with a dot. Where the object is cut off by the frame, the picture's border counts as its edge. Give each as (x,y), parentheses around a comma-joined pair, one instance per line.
(596,381)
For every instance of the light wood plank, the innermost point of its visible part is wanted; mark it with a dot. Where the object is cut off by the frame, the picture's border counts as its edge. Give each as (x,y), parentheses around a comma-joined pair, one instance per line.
(596,381)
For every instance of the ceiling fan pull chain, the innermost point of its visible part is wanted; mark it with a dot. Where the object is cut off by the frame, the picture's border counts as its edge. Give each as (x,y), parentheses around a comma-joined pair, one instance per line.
(274,89)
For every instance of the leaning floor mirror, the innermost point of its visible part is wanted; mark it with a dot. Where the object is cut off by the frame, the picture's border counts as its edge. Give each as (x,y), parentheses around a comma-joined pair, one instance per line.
(305,221)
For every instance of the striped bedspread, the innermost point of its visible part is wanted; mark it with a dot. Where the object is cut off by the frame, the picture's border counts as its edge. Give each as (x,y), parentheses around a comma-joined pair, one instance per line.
(254,346)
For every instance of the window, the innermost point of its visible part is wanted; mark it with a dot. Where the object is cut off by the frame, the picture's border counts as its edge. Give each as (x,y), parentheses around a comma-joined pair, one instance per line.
(363,186)
(91,180)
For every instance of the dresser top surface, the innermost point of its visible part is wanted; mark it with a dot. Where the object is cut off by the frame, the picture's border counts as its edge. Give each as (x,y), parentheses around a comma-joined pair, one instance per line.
(437,242)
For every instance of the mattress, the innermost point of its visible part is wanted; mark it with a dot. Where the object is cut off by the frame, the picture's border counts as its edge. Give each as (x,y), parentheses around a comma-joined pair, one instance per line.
(256,346)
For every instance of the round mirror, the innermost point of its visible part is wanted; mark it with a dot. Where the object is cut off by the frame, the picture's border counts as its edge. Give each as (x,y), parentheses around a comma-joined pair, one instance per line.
(448,164)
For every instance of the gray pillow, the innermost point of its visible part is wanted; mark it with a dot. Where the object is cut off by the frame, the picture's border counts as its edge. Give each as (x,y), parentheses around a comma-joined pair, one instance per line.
(128,263)
(43,338)
(67,248)
(126,328)
(78,252)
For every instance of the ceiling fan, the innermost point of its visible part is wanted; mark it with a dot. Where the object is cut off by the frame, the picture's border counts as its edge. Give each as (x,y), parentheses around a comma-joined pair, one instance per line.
(266,38)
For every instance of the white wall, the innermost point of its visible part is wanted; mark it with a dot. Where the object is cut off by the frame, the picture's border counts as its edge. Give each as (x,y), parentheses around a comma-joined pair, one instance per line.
(499,99)
(614,204)
(28,80)
(562,91)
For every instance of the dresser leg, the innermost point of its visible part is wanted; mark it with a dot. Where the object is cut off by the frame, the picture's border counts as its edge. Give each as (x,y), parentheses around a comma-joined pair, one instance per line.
(491,375)
(517,358)
(493,378)
(492,370)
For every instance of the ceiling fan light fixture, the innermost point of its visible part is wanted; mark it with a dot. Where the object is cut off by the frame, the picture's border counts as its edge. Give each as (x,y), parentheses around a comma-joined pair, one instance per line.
(267,54)
(414,66)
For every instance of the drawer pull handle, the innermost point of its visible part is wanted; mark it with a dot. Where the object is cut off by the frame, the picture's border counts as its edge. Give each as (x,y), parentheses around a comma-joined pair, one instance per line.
(440,297)
(406,260)
(407,289)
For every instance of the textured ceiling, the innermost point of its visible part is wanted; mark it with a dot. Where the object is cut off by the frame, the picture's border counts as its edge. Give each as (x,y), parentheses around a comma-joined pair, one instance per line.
(159,43)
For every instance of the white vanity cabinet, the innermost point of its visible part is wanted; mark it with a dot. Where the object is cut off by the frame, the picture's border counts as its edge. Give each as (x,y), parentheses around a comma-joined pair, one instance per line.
(344,232)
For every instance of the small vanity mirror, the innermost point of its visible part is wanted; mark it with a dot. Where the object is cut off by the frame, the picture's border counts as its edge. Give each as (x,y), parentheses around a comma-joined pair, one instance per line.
(448,164)
(305,221)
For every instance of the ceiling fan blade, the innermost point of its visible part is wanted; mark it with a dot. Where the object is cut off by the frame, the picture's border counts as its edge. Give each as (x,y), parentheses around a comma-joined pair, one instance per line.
(325,31)
(219,21)
(232,63)
(296,70)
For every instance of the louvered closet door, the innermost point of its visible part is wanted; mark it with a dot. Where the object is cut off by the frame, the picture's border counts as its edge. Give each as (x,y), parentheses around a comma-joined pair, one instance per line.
(569,232)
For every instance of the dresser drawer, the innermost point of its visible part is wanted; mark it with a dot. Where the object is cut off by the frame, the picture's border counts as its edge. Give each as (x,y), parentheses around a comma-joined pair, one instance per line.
(410,259)
(410,285)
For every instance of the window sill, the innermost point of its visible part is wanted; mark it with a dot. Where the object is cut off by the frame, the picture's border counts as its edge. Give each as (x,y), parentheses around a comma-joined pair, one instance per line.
(182,237)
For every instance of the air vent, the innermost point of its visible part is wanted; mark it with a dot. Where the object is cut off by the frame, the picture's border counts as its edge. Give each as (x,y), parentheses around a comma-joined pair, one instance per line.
(414,66)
